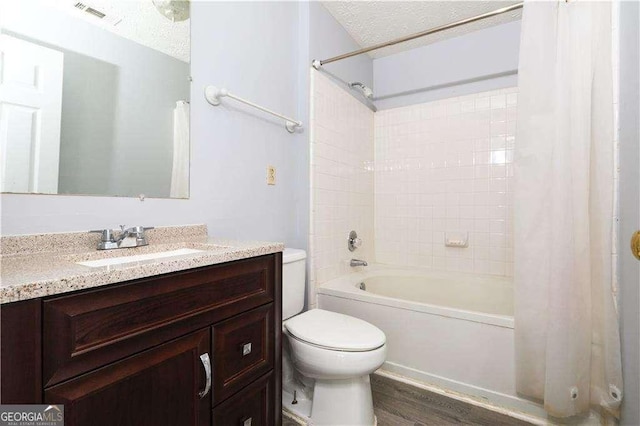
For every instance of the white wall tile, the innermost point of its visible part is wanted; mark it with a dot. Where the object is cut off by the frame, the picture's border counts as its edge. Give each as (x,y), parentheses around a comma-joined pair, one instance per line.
(342,190)
(423,170)
(446,169)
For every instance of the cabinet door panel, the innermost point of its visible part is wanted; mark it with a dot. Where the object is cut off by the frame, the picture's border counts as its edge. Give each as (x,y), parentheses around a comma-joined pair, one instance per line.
(243,350)
(84,331)
(253,406)
(20,352)
(154,388)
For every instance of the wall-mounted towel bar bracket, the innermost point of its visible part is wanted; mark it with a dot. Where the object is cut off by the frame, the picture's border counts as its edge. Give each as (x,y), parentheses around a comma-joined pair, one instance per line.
(213,95)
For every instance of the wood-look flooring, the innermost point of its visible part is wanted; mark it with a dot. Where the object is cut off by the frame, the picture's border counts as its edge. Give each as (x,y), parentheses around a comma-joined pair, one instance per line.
(399,404)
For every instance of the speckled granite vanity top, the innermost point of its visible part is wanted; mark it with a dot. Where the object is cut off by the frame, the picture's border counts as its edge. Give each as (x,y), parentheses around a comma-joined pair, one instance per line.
(45,264)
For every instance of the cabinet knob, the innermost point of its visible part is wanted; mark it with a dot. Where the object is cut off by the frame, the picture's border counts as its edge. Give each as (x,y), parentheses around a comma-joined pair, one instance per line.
(246,349)
(206,363)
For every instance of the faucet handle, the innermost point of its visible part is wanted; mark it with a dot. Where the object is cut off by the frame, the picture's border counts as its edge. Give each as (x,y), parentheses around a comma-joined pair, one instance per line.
(107,235)
(141,237)
(140,229)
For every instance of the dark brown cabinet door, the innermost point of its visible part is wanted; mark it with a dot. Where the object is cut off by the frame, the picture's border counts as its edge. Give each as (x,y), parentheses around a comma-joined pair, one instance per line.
(20,350)
(156,387)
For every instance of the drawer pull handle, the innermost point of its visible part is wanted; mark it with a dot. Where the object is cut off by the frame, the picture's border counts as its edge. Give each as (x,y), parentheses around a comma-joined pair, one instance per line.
(247,422)
(246,350)
(206,363)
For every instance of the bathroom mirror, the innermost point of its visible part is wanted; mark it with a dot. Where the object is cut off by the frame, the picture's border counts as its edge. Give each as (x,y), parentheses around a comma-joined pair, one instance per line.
(94,97)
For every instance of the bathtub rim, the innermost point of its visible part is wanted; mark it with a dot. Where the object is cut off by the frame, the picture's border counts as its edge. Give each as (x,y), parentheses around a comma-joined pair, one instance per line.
(346,287)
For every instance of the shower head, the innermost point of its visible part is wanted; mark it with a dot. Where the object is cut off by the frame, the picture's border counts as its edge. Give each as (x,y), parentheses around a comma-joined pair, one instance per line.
(366,91)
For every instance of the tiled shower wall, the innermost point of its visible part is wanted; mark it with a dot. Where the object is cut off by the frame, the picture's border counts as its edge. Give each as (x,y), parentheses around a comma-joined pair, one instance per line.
(444,167)
(341,180)
(440,167)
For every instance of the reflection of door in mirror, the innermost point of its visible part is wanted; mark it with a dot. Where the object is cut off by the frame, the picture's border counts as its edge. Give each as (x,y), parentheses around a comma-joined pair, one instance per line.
(30,116)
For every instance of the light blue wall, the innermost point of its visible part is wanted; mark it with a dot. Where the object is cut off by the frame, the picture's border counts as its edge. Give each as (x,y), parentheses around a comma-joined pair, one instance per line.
(630,207)
(482,60)
(300,150)
(249,48)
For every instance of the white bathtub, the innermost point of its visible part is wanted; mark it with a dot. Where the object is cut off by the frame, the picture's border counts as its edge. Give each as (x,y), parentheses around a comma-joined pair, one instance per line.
(451,330)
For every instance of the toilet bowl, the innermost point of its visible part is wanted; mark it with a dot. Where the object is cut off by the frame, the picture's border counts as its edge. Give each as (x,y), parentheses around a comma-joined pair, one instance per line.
(327,356)
(338,352)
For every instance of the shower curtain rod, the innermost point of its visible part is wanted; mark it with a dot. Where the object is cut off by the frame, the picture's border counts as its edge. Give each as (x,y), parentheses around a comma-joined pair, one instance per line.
(317,63)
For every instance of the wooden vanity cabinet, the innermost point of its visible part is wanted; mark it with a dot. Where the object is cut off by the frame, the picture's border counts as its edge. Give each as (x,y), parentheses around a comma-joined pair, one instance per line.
(137,353)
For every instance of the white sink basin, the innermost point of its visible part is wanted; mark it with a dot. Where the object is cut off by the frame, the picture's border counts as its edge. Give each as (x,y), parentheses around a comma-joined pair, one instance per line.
(137,258)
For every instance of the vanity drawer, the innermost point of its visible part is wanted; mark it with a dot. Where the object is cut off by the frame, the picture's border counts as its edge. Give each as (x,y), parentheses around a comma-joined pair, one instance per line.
(253,406)
(243,350)
(85,331)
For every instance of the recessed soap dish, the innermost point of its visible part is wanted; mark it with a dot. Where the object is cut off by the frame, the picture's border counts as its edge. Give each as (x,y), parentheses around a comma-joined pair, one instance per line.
(456,239)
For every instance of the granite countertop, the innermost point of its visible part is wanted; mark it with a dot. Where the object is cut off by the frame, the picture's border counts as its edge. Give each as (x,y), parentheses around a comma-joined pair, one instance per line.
(43,265)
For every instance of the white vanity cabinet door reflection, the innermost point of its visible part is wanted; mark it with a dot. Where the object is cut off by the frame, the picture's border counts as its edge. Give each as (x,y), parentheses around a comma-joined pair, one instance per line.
(30,116)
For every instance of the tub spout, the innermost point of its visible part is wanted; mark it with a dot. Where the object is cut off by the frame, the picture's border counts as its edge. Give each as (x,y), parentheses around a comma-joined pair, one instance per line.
(358,262)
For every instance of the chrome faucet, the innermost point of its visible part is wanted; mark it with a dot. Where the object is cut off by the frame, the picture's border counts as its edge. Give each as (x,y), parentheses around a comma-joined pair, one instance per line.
(358,262)
(131,237)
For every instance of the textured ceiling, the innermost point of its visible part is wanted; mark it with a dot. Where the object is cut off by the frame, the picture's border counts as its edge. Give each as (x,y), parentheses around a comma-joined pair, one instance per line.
(141,22)
(373,22)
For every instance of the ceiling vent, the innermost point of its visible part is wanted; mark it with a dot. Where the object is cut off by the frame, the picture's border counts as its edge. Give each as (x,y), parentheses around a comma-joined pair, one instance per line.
(107,19)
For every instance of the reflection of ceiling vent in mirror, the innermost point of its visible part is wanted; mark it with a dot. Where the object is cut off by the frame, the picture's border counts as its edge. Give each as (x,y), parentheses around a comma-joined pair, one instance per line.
(107,19)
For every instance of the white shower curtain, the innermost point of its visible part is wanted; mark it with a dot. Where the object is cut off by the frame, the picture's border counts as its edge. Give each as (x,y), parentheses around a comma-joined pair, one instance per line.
(567,338)
(180,171)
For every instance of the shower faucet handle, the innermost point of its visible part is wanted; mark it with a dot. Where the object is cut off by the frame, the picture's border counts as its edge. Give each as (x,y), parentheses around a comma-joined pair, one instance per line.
(353,242)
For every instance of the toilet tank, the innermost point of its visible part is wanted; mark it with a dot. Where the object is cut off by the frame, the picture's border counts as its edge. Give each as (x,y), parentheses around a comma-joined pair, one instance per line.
(293,279)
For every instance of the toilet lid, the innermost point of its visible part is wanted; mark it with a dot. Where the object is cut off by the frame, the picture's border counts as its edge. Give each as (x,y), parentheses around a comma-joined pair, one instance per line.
(335,331)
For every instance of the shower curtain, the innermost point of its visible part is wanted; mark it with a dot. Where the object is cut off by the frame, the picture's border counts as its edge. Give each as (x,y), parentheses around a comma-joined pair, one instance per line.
(566,324)
(180,170)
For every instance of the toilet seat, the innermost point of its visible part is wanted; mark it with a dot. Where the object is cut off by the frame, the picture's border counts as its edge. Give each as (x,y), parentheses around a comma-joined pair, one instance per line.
(334,331)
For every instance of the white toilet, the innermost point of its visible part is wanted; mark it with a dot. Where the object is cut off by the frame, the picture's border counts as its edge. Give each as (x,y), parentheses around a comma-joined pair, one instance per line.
(327,356)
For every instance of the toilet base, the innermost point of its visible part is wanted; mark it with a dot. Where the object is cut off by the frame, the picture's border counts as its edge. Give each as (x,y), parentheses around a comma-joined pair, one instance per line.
(343,402)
